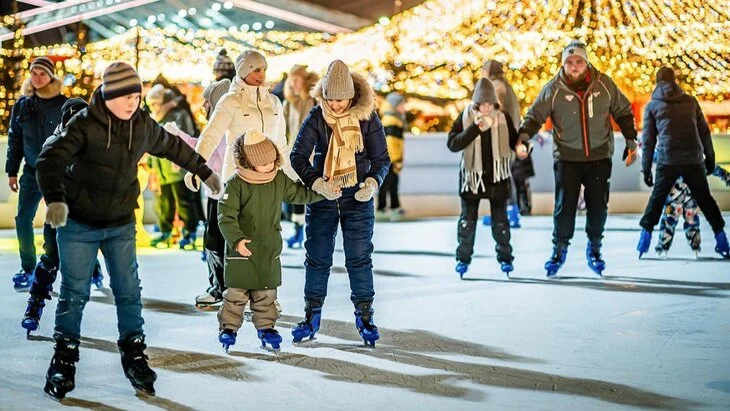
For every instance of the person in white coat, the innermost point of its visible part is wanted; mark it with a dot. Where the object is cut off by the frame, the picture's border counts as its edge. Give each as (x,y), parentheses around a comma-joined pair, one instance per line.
(247,105)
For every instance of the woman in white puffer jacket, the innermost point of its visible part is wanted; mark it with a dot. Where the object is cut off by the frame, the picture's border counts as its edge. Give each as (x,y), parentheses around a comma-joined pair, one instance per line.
(247,105)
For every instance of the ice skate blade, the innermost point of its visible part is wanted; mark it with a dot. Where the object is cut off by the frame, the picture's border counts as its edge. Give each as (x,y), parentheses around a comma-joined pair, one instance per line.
(53,393)
(207,307)
(142,391)
(305,341)
(271,350)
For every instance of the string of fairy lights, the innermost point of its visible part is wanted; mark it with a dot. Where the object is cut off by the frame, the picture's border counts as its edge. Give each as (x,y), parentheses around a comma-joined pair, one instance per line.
(436,50)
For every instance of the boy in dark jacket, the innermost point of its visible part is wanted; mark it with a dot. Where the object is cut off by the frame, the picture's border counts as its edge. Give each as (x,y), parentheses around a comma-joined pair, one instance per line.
(249,217)
(486,137)
(350,163)
(394,123)
(88,177)
(675,126)
(33,119)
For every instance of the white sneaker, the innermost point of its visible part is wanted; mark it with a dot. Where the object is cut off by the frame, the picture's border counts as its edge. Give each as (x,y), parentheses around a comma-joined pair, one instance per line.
(207,299)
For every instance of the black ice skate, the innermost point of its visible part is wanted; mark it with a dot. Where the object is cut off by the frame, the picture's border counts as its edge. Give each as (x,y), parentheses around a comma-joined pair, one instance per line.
(134,363)
(61,375)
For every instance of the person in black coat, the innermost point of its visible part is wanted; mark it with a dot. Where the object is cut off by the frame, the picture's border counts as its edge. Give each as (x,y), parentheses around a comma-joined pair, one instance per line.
(486,137)
(88,177)
(33,119)
(675,126)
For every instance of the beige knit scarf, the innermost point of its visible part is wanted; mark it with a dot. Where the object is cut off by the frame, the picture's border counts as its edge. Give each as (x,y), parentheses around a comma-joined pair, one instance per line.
(471,160)
(254,177)
(346,140)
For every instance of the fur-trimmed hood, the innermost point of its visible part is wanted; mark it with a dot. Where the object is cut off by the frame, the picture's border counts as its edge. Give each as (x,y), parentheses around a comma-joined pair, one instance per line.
(310,79)
(51,90)
(364,102)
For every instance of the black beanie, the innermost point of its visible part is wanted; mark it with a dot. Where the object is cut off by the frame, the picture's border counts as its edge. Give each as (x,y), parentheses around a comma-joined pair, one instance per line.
(665,74)
(70,108)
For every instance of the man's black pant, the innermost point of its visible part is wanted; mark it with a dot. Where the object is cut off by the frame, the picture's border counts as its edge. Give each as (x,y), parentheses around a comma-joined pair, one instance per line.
(595,176)
(215,249)
(695,178)
(389,188)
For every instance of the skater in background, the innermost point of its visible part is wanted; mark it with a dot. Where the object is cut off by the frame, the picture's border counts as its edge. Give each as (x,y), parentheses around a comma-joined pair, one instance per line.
(223,67)
(297,105)
(522,169)
(91,204)
(675,126)
(579,101)
(47,269)
(486,137)
(679,203)
(350,162)
(213,242)
(249,216)
(33,119)
(394,123)
(723,174)
(174,196)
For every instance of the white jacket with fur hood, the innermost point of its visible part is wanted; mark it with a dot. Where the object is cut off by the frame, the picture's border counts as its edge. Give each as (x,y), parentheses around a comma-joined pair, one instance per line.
(245,107)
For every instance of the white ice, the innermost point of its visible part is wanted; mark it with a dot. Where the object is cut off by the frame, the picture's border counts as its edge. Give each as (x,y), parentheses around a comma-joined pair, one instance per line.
(651,333)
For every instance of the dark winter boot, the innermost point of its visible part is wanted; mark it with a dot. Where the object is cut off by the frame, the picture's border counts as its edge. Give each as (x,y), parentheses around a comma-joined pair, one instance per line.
(134,363)
(364,322)
(722,247)
(310,325)
(33,313)
(556,261)
(594,258)
(296,240)
(61,375)
(644,242)
(271,337)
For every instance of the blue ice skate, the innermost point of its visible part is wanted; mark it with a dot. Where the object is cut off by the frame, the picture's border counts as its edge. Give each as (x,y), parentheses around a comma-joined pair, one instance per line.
(309,326)
(271,337)
(556,261)
(594,259)
(227,338)
(33,313)
(513,215)
(506,267)
(722,247)
(188,241)
(296,240)
(22,280)
(461,268)
(364,323)
(644,242)
(487,220)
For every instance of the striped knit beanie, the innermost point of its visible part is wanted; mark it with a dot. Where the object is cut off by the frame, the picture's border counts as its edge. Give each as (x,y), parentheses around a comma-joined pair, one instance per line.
(258,149)
(337,84)
(119,79)
(45,64)
(223,62)
(215,91)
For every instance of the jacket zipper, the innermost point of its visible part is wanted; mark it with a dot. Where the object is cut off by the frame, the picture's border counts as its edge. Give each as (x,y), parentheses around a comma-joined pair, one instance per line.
(585,128)
(261,113)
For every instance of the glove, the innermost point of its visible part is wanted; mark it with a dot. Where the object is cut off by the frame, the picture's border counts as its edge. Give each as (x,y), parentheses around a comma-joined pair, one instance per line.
(327,189)
(172,128)
(213,183)
(523,137)
(709,167)
(192,182)
(56,214)
(367,190)
(648,179)
(630,153)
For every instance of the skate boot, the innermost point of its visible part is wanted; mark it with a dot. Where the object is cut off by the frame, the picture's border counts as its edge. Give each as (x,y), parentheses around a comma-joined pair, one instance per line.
(296,240)
(364,323)
(461,268)
(595,261)
(33,313)
(513,215)
(661,252)
(227,338)
(644,242)
(207,300)
(722,247)
(61,375)
(134,363)
(271,337)
(188,240)
(310,325)
(506,267)
(22,280)
(487,220)
(556,261)
(163,241)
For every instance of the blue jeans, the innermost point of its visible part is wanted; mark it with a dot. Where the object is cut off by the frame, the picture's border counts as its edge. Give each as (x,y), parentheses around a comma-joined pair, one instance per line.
(29,196)
(357,220)
(78,245)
